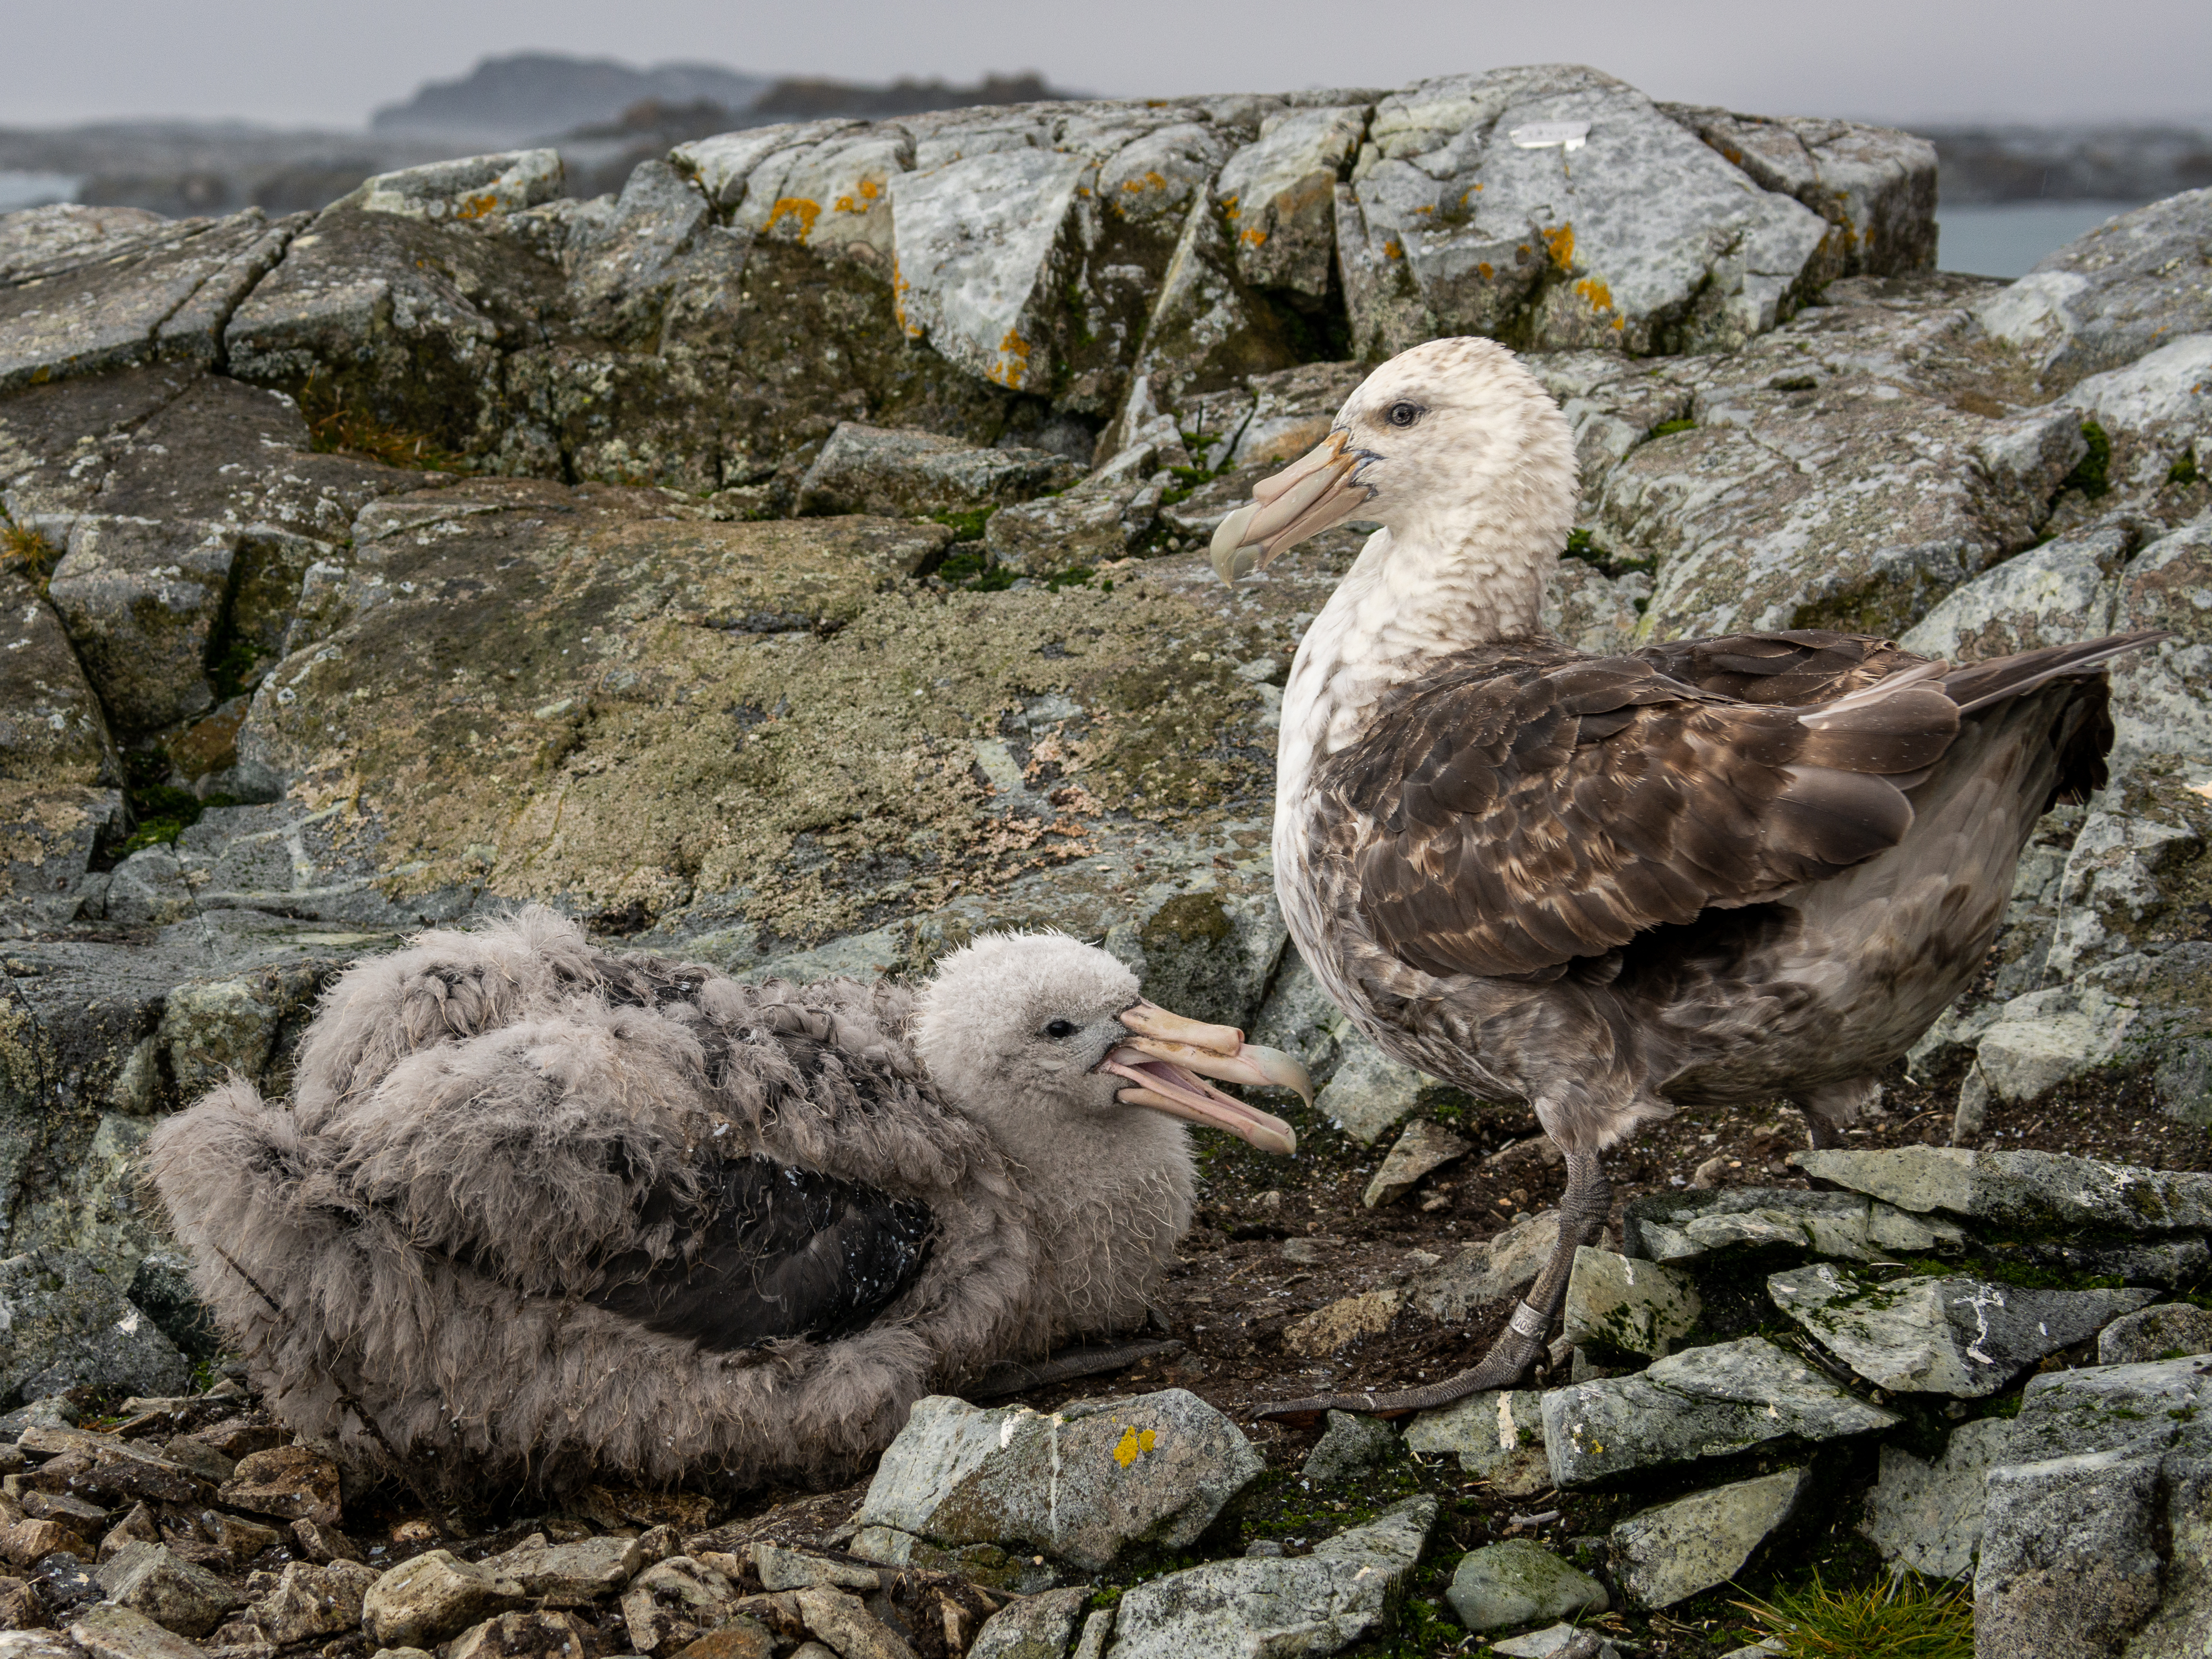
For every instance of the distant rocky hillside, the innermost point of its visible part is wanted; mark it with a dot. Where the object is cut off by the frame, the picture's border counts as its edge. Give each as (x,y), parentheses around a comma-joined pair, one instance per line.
(533,95)
(2027,163)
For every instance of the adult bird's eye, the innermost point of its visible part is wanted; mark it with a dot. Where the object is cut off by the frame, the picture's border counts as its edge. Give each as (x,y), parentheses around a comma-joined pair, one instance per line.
(1402,414)
(1060,1028)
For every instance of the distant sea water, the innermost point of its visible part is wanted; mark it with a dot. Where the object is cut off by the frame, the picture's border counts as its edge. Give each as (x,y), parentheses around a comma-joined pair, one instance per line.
(21,190)
(2006,238)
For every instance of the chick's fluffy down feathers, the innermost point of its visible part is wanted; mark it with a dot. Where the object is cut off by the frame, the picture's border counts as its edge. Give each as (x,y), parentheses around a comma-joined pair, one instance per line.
(480,1122)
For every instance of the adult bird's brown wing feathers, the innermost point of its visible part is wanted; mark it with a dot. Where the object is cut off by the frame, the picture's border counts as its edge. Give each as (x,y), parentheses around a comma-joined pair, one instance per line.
(1523,807)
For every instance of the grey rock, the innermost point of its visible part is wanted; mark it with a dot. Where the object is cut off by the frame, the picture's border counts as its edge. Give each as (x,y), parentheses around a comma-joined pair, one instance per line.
(781,1569)
(2054,594)
(178,1595)
(582,1569)
(473,188)
(68,1325)
(1082,1486)
(1032,1626)
(1702,1402)
(2153,411)
(551,1635)
(104,1631)
(1101,518)
(307,1600)
(293,1483)
(1348,1445)
(1502,1586)
(155,294)
(2107,298)
(1481,1274)
(1340,1323)
(2045,1038)
(1560,1641)
(1277,197)
(2172,1330)
(674,1602)
(1259,1606)
(867,469)
(1098,1630)
(1421,1150)
(843,1623)
(1370,1092)
(141,598)
(2093,1529)
(1928,1517)
(1688,1226)
(2026,1188)
(1630,1306)
(435,1595)
(1498,1435)
(148,890)
(1963,1337)
(53,730)
(1664,1554)
(1876,185)
(1482,261)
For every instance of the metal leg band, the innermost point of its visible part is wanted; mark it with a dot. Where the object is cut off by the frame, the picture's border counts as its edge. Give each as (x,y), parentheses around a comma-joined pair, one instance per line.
(1527,1322)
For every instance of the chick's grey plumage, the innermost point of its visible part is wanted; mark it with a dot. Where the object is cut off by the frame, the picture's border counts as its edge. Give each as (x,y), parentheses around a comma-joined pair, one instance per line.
(1713,871)
(475,1245)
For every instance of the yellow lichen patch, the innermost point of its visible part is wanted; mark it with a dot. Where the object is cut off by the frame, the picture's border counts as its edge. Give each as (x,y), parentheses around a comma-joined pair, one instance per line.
(1486,269)
(1393,250)
(1133,1445)
(1252,238)
(1011,370)
(899,287)
(477,207)
(1561,241)
(795,207)
(1593,288)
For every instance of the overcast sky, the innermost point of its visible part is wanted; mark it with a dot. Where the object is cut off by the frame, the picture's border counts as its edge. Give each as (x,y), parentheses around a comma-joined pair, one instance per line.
(311,63)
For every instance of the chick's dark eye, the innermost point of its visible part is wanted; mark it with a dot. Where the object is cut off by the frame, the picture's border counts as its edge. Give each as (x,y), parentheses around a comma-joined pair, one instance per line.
(1402,414)
(1060,1028)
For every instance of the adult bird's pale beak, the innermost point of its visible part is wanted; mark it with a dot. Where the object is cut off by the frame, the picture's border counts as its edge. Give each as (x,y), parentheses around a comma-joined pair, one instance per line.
(1305,498)
(1166,1055)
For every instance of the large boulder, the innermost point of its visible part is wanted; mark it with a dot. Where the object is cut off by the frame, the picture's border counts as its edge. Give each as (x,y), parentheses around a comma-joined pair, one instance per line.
(67,1326)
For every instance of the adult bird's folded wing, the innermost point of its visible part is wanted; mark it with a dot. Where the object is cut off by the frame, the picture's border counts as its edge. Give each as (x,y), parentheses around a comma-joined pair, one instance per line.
(1521,809)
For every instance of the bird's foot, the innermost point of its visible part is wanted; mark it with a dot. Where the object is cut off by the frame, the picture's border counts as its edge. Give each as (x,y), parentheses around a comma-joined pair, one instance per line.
(1015,1376)
(1504,1366)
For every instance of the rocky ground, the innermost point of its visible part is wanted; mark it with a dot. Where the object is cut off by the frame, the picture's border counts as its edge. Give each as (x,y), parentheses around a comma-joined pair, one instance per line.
(792,563)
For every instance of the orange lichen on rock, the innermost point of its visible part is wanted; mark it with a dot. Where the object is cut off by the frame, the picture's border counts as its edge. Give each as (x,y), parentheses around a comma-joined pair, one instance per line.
(796,207)
(1561,241)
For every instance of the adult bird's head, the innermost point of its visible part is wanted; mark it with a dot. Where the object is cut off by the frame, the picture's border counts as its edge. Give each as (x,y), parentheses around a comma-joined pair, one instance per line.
(1442,437)
(1038,1035)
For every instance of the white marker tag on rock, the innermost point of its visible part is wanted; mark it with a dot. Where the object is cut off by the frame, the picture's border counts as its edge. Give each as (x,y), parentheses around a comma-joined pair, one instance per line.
(1542,135)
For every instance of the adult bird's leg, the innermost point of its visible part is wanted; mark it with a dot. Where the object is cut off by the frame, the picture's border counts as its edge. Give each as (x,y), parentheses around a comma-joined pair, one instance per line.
(1582,1214)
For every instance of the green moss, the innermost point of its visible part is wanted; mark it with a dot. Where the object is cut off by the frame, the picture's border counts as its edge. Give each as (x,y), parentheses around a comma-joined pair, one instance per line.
(2088,474)
(1668,429)
(2184,470)
(966,526)
(1583,545)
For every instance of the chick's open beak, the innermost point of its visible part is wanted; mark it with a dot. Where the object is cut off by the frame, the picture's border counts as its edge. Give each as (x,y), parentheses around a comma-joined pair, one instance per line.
(1303,499)
(1166,1056)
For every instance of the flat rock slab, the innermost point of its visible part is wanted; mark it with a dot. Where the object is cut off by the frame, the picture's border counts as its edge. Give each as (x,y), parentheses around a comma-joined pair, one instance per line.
(1505,1586)
(1371,1093)
(2170,1331)
(1703,1402)
(1350,1445)
(434,1595)
(1634,1307)
(2094,1529)
(1482,1274)
(1680,1228)
(871,469)
(1928,1517)
(1032,1626)
(1964,1337)
(1083,1485)
(1261,1607)
(1678,1549)
(1343,1321)
(2036,1190)
(1497,1436)
(175,1593)
(106,1632)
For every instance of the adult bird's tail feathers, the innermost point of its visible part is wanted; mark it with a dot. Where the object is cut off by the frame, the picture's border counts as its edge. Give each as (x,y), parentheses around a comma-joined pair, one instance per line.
(1978,685)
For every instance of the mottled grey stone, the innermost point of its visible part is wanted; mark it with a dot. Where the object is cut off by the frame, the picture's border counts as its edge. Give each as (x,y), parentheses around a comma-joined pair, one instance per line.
(67,1324)
(1928,1517)
(583,1568)
(1497,1436)
(434,1595)
(1032,1626)
(1082,1486)
(1370,1093)
(1964,1337)
(141,598)
(1481,1273)
(1630,1306)
(1702,1402)
(1262,1605)
(668,1605)
(104,1630)
(868,469)
(2095,1533)
(1421,1150)
(2170,1331)
(1349,1445)
(2108,297)
(1502,1586)
(1689,1225)
(176,1594)
(1663,1554)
